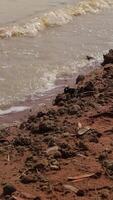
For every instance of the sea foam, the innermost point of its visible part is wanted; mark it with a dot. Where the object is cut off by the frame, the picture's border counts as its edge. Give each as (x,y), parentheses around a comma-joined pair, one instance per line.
(55,18)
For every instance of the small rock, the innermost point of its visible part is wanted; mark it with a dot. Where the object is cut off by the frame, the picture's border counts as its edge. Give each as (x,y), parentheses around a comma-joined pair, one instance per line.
(66,134)
(74,109)
(87,90)
(80,78)
(71,188)
(108,58)
(89,86)
(89,58)
(57,154)
(54,162)
(46,126)
(82,146)
(41,165)
(26,179)
(84,130)
(69,90)
(91,134)
(67,150)
(54,167)
(8,189)
(108,164)
(59,98)
(105,194)
(67,153)
(52,150)
(80,193)
(51,142)
(40,114)
(97,175)
(62,110)
(22,141)
(103,156)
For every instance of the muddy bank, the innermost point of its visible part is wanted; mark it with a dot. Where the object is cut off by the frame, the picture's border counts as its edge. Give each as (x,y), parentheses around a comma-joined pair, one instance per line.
(66,151)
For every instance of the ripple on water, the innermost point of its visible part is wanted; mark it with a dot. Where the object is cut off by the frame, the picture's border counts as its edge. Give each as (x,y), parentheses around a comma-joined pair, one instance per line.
(55,18)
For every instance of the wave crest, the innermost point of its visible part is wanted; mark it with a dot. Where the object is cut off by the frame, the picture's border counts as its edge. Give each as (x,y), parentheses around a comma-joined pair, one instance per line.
(55,18)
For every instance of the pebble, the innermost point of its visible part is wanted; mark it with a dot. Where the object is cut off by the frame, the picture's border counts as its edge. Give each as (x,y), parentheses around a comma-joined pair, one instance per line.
(71,188)
(52,150)
(8,189)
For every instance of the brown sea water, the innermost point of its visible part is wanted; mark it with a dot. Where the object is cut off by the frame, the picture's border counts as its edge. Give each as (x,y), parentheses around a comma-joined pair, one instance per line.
(41,42)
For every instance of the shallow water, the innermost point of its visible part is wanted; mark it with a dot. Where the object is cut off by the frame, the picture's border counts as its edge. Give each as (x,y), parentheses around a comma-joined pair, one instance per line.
(21,10)
(30,65)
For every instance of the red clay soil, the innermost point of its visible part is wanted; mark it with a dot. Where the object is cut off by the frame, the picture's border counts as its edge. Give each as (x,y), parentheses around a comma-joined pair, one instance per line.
(65,152)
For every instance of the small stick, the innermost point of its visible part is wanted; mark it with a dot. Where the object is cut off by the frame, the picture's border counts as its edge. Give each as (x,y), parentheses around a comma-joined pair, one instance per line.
(81,177)
(8,158)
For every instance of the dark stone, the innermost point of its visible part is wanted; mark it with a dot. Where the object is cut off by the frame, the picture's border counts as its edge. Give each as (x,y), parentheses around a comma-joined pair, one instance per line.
(108,74)
(89,86)
(93,139)
(59,98)
(89,58)
(37,198)
(67,153)
(97,175)
(74,109)
(68,94)
(34,128)
(57,154)
(86,90)
(22,141)
(82,146)
(92,135)
(105,194)
(65,145)
(108,164)
(31,118)
(41,166)
(80,78)
(69,90)
(108,58)
(46,126)
(66,150)
(40,114)
(3,140)
(51,112)
(62,110)
(80,193)
(51,142)
(27,179)
(8,197)
(8,189)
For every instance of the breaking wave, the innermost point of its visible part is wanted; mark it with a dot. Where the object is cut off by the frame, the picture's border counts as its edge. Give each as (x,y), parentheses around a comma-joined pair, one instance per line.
(55,18)
(13,109)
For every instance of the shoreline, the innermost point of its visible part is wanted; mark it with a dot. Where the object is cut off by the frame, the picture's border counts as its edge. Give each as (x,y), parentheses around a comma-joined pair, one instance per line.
(43,100)
(65,150)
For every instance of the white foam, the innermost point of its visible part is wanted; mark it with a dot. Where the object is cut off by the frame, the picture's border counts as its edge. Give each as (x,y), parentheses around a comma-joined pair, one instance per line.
(2,79)
(53,18)
(13,109)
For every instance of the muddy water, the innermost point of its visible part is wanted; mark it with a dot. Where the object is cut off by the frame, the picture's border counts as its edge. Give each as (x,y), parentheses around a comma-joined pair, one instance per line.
(31,63)
(20,10)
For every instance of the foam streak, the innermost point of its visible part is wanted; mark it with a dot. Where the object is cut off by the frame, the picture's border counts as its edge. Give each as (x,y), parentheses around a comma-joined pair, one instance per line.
(55,18)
